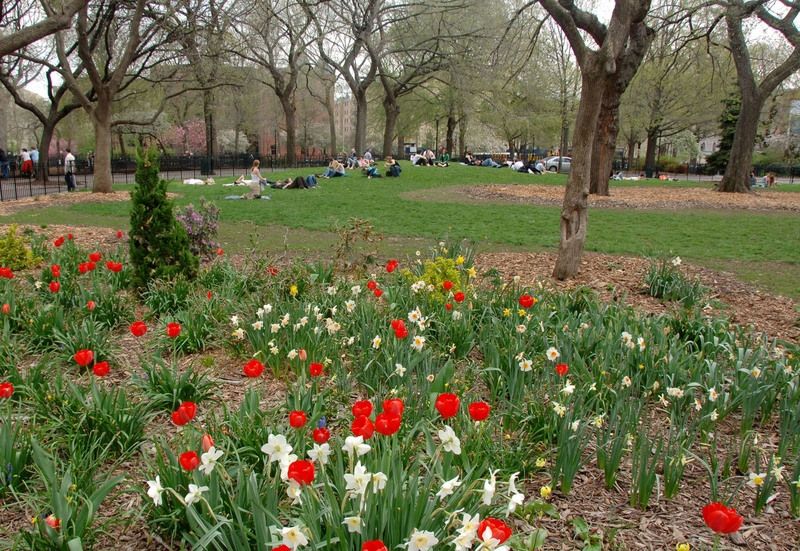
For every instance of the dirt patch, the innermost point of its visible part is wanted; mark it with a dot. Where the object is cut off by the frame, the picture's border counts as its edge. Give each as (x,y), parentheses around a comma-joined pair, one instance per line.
(622,278)
(640,197)
(65,199)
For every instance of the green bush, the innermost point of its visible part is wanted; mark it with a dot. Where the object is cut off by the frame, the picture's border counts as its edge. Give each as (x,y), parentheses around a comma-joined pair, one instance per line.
(15,252)
(665,281)
(159,244)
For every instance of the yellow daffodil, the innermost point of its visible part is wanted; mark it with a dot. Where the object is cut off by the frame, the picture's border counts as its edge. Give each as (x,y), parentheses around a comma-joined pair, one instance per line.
(506,312)
(682,547)
(293,290)
(472,272)
(545,492)
(459,260)
(541,462)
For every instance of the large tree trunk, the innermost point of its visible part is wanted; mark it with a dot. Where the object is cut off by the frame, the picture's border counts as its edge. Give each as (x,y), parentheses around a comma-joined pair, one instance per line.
(101,118)
(650,152)
(392,112)
(574,212)
(289,113)
(330,107)
(43,170)
(605,143)
(740,162)
(631,149)
(451,130)
(360,138)
(463,124)
(211,130)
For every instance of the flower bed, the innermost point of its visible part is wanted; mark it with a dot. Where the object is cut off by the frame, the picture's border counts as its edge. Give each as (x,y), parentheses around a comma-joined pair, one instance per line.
(419,409)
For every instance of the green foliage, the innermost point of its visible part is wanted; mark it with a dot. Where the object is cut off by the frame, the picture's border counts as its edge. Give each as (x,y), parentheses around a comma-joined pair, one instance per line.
(718,160)
(15,456)
(167,296)
(159,245)
(665,281)
(435,272)
(15,251)
(166,387)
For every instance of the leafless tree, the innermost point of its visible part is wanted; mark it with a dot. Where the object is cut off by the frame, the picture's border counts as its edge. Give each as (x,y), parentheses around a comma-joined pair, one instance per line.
(31,21)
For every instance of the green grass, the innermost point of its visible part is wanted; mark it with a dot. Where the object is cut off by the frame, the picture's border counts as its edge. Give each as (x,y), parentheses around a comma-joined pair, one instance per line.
(763,247)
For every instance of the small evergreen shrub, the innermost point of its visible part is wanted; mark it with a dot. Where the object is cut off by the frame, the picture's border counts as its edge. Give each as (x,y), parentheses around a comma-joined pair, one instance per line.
(15,253)
(201,225)
(159,244)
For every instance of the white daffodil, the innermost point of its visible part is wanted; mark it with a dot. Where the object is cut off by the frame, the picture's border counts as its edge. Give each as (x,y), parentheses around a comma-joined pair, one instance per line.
(415,315)
(421,540)
(469,524)
(195,493)
(568,389)
(258,325)
(448,488)
(756,479)
(320,453)
(376,342)
(552,354)
(399,370)
(574,426)
(489,488)
(521,328)
(235,321)
(674,392)
(525,365)
(379,481)
(712,394)
(676,261)
(350,306)
(238,334)
(355,289)
(357,481)
(626,381)
(331,290)
(294,491)
(274,327)
(267,309)
(450,442)
(276,448)
(355,445)
(353,524)
(154,491)
(418,343)
(209,460)
(293,537)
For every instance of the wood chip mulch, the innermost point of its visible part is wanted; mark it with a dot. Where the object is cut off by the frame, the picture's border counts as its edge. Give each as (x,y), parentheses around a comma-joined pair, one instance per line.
(640,197)
(622,278)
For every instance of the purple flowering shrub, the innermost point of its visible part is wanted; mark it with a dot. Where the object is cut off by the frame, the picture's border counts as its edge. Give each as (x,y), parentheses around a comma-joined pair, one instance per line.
(202,224)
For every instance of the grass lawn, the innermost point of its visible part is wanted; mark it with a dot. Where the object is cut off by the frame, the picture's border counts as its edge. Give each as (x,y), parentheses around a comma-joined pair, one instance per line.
(761,247)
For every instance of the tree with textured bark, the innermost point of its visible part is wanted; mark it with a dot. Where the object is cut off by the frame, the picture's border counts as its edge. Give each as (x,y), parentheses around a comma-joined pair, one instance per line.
(117,44)
(753,94)
(342,29)
(23,67)
(601,68)
(275,37)
(32,21)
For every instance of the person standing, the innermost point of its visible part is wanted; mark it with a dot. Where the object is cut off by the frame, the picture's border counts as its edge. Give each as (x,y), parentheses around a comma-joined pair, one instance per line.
(34,160)
(69,170)
(27,166)
(3,163)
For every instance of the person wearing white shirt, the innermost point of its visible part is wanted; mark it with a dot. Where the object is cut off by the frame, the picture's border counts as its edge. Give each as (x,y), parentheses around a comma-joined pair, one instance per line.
(69,170)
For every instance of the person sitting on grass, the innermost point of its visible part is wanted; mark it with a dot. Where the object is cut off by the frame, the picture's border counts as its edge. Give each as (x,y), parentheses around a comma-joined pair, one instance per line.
(334,170)
(352,159)
(444,158)
(430,157)
(417,159)
(371,172)
(393,169)
(488,161)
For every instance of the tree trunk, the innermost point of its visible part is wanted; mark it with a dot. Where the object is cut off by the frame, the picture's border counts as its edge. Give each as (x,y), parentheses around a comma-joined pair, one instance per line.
(463,124)
(43,170)
(101,118)
(360,139)
(740,162)
(605,143)
(451,130)
(121,140)
(289,113)
(574,212)
(392,112)
(208,119)
(631,149)
(236,134)
(650,152)
(400,146)
(330,107)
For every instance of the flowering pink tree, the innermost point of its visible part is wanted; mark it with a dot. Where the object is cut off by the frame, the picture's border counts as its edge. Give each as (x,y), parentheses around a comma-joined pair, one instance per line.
(190,136)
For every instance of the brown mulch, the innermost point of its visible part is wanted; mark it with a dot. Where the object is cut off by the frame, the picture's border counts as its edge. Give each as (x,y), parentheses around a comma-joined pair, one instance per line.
(57,199)
(640,197)
(622,278)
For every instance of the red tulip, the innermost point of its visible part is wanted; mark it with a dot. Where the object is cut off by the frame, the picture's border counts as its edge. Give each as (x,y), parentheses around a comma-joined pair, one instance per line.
(58,242)
(120,235)
(447,405)
(173,329)
(95,256)
(362,408)
(392,265)
(55,269)
(562,369)
(301,471)
(6,390)
(394,405)
(399,327)
(297,419)
(184,414)
(6,273)
(372,285)
(115,267)
(90,305)
(209,295)
(86,267)
(497,529)
(721,519)
(526,301)
(282,548)
(6,308)
(373,545)
(479,411)
(189,460)
(101,369)
(321,435)
(448,306)
(138,328)
(272,270)
(69,237)
(83,357)
(362,426)
(387,423)
(53,522)
(459,297)
(447,285)
(220,251)
(55,286)
(206,442)
(378,293)
(253,368)
(315,369)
